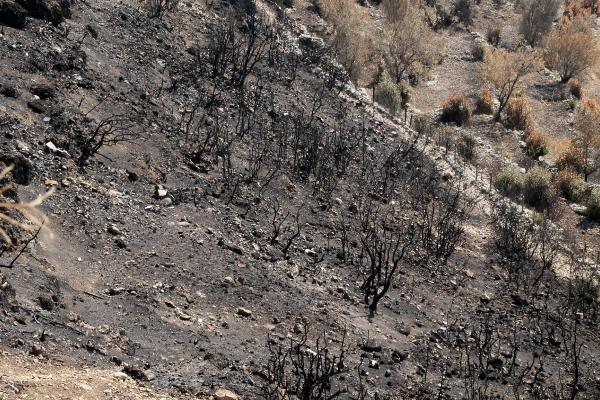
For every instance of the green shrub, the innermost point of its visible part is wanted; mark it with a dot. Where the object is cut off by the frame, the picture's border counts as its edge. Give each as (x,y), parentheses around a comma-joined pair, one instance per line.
(389,94)
(536,187)
(570,185)
(509,182)
(456,109)
(594,204)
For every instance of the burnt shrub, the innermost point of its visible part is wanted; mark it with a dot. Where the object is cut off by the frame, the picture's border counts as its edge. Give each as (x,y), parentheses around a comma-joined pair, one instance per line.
(467,146)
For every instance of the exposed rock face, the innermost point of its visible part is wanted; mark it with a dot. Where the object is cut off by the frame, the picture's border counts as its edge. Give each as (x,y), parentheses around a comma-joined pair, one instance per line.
(224,394)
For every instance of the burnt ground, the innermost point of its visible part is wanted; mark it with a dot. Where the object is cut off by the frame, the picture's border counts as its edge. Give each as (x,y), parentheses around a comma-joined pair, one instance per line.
(132,293)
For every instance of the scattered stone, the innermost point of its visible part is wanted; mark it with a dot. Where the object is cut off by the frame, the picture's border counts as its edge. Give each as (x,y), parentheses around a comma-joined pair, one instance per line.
(36,350)
(399,356)
(310,253)
(160,192)
(298,328)
(579,209)
(374,364)
(243,312)
(137,373)
(229,281)
(371,347)
(232,247)
(224,394)
(121,243)
(115,291)
(183,316)
(51,148)
(469,274)
(113,230)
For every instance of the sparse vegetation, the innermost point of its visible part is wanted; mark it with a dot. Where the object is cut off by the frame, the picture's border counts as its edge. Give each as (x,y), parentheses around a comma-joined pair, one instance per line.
(158,8)
(570,157)
(463,10)
(255,189)
(467,146)
(493,35)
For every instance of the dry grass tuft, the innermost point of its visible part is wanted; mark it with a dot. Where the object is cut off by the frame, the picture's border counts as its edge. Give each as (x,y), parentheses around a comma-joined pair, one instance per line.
(35,218)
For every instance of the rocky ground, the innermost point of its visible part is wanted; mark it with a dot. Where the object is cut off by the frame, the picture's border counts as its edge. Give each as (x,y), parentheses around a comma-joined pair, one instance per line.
(153,280)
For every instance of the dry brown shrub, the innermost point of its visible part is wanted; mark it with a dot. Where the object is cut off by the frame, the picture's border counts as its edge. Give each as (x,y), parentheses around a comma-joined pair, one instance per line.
(537,144)
(537,17)
(484,103)
(571,49)
(456,109)
(581,8)
(570,185)
(409,46)
(503,71)
(351,38)
(569,156)
(587,121)
(519,114)
(575,88)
